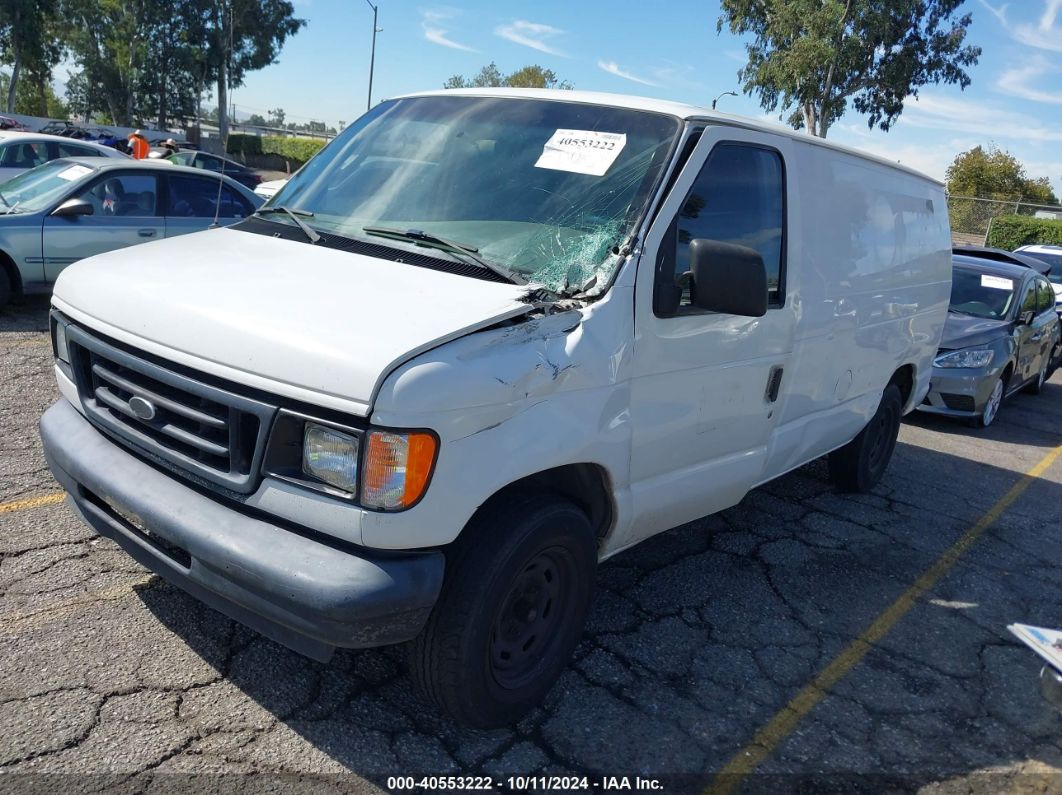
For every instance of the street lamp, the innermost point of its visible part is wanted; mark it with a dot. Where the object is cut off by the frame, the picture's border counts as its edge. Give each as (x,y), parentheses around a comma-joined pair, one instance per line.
(725,93)
(372,57)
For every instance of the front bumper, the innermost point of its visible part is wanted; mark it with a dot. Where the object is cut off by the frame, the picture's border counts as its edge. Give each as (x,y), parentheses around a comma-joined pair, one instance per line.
(959,392)
(310,594)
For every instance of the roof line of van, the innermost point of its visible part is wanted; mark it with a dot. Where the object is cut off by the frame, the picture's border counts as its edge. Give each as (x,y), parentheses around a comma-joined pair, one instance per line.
(683,111)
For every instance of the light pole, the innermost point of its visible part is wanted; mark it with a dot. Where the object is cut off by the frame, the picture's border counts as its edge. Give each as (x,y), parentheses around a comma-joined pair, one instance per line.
(372,57)
(725,93)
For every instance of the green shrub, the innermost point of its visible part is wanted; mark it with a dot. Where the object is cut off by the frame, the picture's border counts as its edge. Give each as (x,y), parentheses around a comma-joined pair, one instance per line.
(246,144)
(1011,231)
(297,150)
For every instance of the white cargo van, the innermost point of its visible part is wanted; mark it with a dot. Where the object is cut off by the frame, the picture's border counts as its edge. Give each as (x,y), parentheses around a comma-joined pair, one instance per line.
(481,342)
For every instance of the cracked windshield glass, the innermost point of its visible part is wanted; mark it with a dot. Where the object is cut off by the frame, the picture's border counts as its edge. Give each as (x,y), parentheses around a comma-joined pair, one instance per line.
(545,189)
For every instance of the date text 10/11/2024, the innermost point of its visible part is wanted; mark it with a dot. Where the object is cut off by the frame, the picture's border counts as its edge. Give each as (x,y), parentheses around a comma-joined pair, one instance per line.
(523,783)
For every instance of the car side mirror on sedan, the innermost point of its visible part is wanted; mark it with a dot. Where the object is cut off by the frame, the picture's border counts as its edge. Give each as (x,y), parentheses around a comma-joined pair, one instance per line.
(73,207)
(1026,318)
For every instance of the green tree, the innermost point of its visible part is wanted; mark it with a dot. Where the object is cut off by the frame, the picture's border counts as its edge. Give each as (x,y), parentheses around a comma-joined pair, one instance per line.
(241,36)
(29,42)
(256,120)
(28,99)
(810,57)
(276,117)
(490,76)
(992,173)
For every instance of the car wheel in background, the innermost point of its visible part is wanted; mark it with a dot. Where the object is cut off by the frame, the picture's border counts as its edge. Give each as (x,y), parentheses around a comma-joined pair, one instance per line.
(1036,387)
(519,583)
(860,464)
(995,400)
(5,287)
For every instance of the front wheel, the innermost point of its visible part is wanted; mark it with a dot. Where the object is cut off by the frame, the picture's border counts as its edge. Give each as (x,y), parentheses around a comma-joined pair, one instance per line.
(860,464)
(1037,386)
(519,583)
(991,409)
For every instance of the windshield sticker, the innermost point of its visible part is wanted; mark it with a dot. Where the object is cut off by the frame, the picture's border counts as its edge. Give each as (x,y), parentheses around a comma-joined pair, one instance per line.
(996,282)
(74,172)
(582,151)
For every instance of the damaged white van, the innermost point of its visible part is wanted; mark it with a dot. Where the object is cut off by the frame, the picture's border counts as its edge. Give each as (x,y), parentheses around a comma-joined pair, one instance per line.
(484,340)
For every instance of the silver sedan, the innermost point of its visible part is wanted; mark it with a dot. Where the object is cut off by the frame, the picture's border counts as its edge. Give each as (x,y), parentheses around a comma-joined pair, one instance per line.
(72,208)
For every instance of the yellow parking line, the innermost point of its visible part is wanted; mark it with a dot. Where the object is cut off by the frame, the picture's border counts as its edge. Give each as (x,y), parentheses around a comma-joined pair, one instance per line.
(33,502)
(768,738)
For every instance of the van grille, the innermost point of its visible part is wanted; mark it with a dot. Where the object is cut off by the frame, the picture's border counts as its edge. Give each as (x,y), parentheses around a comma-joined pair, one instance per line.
(211,432)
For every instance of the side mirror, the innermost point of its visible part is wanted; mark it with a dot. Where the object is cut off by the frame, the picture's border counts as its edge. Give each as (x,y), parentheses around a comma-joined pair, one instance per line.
(1026,318)
(727,278)
(73,207)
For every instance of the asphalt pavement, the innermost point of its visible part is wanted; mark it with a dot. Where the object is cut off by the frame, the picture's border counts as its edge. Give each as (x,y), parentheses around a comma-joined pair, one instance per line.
(804,640)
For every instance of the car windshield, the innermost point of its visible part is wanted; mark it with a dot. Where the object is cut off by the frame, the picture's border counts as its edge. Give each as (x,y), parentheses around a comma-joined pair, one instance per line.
(35,189)
(547,189)
(981,294)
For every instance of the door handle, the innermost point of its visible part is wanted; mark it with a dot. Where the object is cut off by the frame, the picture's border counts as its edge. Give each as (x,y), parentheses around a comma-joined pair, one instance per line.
(1037,337)
(146,232)
(774,383)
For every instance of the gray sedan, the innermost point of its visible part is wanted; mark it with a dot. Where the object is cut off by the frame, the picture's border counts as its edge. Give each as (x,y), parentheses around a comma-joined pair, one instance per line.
(1002,334)
(72,208)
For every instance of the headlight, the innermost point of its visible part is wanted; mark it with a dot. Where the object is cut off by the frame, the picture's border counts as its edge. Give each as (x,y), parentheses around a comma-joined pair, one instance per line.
(330,456)
(397,468)
(60,347)
(969,358)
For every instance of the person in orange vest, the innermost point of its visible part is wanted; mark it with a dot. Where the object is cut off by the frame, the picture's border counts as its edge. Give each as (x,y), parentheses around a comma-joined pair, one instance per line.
(138,145)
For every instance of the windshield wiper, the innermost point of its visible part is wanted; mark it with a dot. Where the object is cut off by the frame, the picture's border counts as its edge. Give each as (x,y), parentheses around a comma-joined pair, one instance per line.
(434,241)
(294,215)
(4,200)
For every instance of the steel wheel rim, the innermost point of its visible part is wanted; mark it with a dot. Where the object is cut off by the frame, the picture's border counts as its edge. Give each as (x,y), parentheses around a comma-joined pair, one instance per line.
(992,407)
(530,620)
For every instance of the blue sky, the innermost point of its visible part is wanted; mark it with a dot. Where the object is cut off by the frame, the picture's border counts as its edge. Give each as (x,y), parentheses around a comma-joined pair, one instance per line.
(668,50)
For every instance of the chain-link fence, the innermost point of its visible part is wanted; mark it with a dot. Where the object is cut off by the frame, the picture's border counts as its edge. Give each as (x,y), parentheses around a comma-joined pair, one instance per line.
(971,218)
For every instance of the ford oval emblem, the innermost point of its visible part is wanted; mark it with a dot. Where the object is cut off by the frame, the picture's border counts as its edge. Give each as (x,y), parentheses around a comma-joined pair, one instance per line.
(143,409)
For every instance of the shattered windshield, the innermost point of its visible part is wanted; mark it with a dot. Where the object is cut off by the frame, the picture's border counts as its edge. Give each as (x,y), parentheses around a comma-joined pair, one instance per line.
(544,188)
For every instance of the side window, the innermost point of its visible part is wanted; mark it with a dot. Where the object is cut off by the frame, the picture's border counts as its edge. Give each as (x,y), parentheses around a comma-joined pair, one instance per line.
(24,155)
(194,197)
(1046,296)
(1028,299)
(126,195)
(738,198)
(72,150)
(207,162)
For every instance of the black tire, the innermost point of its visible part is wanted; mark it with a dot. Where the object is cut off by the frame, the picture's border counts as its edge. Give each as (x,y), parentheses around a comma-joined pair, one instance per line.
(519,582)
(5,288)
(860,464)
(1036,386)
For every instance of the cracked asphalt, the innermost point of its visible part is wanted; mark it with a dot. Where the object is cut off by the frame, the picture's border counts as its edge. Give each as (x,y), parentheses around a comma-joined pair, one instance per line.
(110,678)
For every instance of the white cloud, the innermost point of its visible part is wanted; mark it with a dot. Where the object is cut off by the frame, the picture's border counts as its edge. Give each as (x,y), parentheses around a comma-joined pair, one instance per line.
(676,75)
(1020,82)
(531,34)
(999,13)
(613,68)
(1044,35)
(975,118)
(433,23)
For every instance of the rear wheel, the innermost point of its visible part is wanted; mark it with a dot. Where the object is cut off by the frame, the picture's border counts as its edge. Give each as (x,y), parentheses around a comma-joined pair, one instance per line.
(1037,386)
(860,464)
(519,582)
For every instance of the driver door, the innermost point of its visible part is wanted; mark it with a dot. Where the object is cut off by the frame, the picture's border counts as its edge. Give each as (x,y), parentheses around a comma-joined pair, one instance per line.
(124,213)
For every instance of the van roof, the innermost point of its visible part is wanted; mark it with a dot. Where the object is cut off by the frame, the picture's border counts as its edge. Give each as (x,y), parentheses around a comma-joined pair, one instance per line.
(677,109)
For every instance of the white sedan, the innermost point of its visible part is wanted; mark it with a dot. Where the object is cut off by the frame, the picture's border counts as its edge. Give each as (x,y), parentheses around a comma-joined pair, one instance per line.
(21,151)
(267,190)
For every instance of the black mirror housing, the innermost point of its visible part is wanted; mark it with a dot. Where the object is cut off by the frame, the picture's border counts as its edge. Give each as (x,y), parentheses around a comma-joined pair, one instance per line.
(73,207)
(727,278)
(1026,318)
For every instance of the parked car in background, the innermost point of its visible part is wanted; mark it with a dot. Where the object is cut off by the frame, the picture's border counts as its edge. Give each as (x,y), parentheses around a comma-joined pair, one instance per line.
(1002,255)
(268,189)
(21,151)
(219,165)
(7,123)
(1002,335)
(1051,255)
(73,208)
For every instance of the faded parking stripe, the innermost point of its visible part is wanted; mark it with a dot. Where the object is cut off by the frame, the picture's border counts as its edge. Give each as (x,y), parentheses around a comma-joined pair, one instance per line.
(33,502)
(768,738)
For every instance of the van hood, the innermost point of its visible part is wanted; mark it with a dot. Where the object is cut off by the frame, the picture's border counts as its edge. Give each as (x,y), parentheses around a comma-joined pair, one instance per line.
(964,331)
(313,324)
